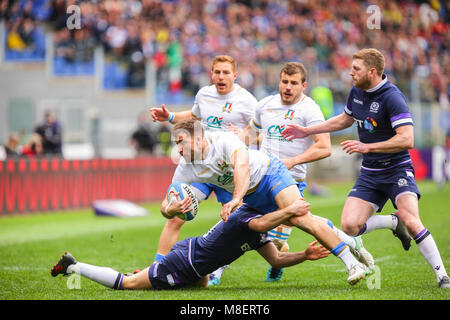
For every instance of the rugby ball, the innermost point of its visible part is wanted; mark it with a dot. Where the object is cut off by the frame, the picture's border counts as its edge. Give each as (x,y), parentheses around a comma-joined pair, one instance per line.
(184,191)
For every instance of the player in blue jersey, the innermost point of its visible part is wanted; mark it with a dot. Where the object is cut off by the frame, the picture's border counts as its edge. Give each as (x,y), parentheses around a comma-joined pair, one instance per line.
(191,260)
(385,130)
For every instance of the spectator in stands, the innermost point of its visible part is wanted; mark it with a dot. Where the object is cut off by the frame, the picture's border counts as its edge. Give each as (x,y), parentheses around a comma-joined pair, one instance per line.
(33,147)
(50,132)
(11,145)
(322,34)
(143,139)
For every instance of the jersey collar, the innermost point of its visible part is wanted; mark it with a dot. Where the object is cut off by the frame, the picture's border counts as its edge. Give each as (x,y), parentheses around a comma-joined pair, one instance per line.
(378,86)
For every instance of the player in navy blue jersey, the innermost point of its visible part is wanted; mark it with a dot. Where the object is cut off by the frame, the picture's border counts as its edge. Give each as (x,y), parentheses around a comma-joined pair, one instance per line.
(385,129)
(191,260)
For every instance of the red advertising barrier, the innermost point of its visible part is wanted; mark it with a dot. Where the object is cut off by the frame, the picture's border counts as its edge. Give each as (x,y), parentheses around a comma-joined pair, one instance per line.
(29,185)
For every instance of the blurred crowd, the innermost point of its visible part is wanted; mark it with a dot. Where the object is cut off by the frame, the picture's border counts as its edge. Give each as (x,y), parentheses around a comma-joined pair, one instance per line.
(46,139)
(182,36)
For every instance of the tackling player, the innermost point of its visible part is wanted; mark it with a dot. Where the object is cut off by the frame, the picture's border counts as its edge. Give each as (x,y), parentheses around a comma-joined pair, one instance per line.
(191,260)
(386,132)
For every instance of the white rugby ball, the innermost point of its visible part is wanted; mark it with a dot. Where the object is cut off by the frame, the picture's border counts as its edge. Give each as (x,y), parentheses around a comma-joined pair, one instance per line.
(184,191)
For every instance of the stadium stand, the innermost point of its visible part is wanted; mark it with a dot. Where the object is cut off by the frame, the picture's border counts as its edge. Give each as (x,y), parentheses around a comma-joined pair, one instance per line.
(182,36)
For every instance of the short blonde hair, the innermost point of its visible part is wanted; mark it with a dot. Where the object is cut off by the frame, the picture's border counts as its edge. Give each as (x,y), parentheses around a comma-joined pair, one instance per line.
(224,58)
(372,58)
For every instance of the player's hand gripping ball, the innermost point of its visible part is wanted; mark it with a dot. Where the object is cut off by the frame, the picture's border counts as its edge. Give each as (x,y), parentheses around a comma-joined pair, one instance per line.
(184,191)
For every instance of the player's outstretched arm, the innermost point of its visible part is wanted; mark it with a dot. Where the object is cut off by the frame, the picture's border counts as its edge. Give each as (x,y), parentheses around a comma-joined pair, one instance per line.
(279,260)
(163,114)
(340,122)
(241,178)
(274,219)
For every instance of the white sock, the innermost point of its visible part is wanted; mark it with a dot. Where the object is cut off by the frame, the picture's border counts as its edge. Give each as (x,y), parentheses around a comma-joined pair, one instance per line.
(428,249)
(218,273)
(379,222)
(342,251)
(348,240)
(102,275)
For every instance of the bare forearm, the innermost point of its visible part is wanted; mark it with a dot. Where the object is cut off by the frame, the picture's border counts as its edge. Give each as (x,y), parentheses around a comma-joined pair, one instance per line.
(287,259)
(183,115)
(336,123)
(402,140)
(316,152)
(393,145)
(241,180)
(272,220)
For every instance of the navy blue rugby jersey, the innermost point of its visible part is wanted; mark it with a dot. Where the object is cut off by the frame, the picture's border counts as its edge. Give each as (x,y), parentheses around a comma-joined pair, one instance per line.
(226,241)
(377,113)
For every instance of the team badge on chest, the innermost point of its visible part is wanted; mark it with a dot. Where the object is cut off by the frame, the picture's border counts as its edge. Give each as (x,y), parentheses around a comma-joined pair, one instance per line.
(374,107)
(289,115)
(227,107)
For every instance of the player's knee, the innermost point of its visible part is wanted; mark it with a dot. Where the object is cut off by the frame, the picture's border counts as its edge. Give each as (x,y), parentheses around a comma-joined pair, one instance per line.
(129,282)
(411,221)
(349,228)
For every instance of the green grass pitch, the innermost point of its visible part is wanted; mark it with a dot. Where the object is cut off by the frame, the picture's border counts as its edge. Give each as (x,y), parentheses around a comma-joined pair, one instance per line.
(31,243)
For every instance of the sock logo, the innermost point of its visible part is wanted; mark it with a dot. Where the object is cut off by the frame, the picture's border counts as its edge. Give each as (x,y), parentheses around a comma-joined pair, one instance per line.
(437,268)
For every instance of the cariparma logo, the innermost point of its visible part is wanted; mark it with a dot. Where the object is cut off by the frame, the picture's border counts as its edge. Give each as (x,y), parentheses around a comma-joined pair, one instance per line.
(214,122)
(274,132)
(370,124)
(226,178)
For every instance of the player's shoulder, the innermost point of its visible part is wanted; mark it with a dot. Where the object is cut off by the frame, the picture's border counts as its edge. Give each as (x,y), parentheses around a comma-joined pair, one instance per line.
(267,101)
(392,95)
(310,102)
(207,91)
(244,93)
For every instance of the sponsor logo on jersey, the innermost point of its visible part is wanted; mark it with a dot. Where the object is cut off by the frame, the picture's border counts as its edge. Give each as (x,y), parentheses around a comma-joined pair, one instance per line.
(370,124)
(226,178)
(214,122)
(289,115)
(274,132)
(227,107)
(357,101)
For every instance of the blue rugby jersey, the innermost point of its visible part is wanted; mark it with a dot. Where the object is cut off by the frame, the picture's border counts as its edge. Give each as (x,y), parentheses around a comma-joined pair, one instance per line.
(377,113)
(226,242)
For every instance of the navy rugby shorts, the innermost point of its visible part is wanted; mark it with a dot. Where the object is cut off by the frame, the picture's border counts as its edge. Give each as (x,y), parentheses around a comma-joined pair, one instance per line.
(174,270)
(377,187)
